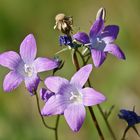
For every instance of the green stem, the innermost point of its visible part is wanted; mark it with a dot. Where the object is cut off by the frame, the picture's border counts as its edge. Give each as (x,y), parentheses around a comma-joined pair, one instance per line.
(99,107)
(56,127)
(90,108)
(42,118)
(96,123)
(107,123)
(105,119)
(124,134)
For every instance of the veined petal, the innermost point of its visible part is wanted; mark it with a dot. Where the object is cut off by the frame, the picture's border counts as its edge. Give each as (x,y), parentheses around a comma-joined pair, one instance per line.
(81,76)
(28,49)
(32,83)
(12,81)
(110,33)
(114,50)
(81,37)
(55,105)
(55,83)
(45,64)
(10,59)
(96,28)
(92,97)
(98,57)
(75,115)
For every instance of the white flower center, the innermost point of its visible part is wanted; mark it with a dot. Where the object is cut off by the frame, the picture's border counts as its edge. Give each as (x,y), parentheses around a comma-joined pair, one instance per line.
(76,97)
(29,70)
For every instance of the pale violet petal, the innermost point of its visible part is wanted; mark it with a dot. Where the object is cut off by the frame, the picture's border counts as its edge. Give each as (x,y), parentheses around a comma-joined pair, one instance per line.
(114,50)
(55,105)
(98,57)
(32,83)
(92,97)
(55,83)
(28,49)
(45,64)
(10,59)
(11,81)
(75,115)
(81,76)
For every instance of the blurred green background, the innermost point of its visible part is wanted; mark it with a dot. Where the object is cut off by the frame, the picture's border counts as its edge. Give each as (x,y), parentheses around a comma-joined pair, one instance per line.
(118,80)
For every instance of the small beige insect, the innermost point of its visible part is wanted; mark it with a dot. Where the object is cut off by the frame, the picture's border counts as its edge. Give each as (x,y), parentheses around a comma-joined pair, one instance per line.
(64,23)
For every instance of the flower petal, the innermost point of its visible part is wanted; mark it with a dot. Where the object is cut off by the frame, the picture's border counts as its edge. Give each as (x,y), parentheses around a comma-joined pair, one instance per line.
(81,37)
(114,50)
(45,64)
(96,28)
(110,33)
(98,57)
(55,83)
(101,14)
(75,115)
(28,49)
(9,59)
(92,97)
(45,94)
(12,81)
(81,76)
(55,105)
(32,83)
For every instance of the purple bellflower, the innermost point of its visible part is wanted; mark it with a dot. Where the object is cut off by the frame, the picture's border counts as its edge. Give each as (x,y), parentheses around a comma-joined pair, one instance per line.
(100,39)
(129,116)
(70,97)
(25,67)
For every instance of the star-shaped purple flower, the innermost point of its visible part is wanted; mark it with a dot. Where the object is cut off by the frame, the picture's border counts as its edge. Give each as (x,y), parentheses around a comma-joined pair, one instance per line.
(25,66)
(100,40)
(70,97)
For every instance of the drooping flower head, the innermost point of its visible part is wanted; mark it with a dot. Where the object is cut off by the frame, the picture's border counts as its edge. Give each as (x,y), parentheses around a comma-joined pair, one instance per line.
(64,23)
(129,116)
(70,97)
(25,67)
(101,39)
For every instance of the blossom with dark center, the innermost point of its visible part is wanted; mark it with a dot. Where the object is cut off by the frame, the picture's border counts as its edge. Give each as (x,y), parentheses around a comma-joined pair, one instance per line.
(101,39)
(129,116)
(70,97)
(25,67)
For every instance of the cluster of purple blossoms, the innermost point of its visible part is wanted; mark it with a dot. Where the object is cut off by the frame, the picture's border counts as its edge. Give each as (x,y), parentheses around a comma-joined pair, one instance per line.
(63,97)
(100,39)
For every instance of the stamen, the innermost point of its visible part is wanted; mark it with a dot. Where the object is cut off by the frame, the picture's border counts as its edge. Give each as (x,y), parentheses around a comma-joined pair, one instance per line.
(28,70)
(76,97)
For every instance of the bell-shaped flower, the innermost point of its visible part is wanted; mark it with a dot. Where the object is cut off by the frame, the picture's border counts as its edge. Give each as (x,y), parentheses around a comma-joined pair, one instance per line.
(71,98)
(100,39)
(25,67)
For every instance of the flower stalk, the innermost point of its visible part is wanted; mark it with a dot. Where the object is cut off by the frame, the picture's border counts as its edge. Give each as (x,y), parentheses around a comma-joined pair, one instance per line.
(99,107)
